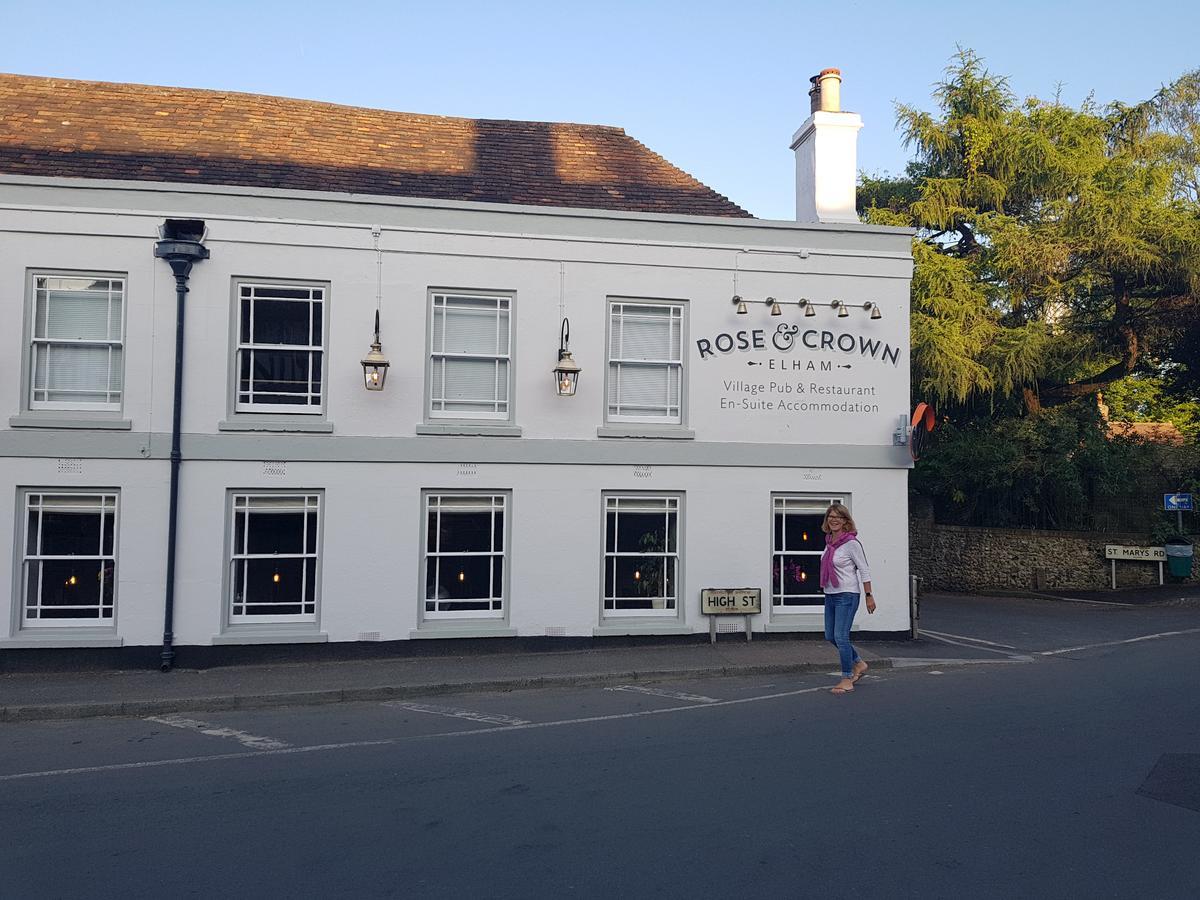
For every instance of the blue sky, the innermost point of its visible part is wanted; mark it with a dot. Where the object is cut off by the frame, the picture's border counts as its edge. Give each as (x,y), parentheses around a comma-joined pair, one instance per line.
(717,88)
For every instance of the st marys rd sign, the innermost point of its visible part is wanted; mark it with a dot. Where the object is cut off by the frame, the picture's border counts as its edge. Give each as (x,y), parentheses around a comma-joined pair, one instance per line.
(1150,554)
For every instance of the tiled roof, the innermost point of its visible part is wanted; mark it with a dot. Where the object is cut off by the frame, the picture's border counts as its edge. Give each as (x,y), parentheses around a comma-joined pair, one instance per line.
(90,129)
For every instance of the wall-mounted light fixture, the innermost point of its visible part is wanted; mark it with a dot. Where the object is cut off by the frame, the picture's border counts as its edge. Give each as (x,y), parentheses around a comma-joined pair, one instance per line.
(566,373)
(375,364)
(809,307)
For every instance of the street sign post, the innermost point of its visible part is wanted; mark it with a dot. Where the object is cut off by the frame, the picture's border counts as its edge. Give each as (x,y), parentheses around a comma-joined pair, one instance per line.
(1178,504)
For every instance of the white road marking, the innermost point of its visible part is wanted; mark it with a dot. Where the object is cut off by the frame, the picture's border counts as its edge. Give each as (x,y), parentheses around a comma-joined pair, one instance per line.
(1081,600)
(253,741)
(389,742)
(659,692)
(452,712)
(1145,637)
(945,640)
(963,637)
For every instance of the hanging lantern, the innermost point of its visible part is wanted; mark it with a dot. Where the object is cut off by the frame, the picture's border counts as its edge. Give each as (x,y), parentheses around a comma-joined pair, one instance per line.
(566,373)
(375,364)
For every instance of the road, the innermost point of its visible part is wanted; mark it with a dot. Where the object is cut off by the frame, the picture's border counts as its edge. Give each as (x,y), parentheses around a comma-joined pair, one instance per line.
(1064,761)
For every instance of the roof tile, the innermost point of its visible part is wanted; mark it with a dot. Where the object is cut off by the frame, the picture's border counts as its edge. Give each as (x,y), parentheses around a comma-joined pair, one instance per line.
(88,129)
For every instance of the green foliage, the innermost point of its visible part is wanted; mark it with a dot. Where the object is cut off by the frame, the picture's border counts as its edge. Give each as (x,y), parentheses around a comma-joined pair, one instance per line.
(1060,469)
(1145,398)
(1057,249)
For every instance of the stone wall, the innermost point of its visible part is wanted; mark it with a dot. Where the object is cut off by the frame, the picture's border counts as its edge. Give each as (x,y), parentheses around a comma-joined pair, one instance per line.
(956,557)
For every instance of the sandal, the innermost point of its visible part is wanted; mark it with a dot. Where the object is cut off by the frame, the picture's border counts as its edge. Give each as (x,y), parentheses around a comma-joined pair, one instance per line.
(841,690)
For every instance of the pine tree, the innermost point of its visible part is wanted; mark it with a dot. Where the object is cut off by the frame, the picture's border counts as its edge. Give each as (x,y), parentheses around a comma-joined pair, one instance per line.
(1057,248)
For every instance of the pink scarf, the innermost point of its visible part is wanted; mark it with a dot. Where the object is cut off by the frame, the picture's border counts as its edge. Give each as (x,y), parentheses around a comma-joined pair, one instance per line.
(828,575)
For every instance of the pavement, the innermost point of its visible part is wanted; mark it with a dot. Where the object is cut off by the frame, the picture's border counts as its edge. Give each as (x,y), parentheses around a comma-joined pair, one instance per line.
(28,696)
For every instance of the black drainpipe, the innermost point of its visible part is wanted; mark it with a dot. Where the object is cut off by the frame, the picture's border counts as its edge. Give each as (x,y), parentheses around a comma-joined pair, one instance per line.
(181,245)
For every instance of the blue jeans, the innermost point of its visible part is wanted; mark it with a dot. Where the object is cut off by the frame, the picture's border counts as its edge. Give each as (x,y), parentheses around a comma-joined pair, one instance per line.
(839,616)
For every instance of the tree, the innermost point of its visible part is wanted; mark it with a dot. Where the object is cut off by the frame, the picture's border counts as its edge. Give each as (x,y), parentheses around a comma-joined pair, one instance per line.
(1058,249)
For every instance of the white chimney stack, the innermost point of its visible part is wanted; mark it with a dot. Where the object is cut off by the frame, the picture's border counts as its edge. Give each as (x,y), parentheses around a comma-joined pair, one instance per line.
(826,155)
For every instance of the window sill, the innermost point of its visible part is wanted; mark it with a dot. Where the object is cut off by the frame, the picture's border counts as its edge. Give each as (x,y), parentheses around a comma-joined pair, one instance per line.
(34,420)
(281,425)
(658,432)
(63,638)
(231,638)
(465,428)
(612,627)
(439,631)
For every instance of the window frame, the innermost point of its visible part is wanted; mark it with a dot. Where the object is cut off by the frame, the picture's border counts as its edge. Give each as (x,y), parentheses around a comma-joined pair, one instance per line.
(279,413)
(433,355)
(674,502)
(105,410)
(820,503)
(109,504)
(679,309)
(492,615)
(234,621)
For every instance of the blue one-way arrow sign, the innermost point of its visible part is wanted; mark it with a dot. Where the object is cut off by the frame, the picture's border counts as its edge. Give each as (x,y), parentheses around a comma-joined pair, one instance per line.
(1177,502)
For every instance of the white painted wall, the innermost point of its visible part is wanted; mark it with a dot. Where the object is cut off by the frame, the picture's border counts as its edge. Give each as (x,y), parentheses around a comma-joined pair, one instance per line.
(371,577)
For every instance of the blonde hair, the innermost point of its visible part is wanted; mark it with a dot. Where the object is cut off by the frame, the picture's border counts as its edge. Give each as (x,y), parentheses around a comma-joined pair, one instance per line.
(840,510)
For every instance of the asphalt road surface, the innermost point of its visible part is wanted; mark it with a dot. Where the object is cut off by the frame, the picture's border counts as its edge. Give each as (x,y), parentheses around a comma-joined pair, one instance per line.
(1064,761)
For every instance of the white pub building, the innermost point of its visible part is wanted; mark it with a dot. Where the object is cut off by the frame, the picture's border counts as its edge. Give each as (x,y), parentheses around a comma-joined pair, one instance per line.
(283,372)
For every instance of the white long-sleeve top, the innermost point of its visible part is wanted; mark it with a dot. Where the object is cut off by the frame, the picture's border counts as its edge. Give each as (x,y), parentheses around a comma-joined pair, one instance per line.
(850,565)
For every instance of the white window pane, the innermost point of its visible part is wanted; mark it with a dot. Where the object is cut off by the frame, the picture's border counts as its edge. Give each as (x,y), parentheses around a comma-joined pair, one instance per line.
(646,332)
(73,373)
(645,339)
(69,565)
(503,332)
(114,318)
(288,502)
(475,380)
(274,563)
(116,372)
(279,357)
(464,559)
(473,329)
(469,368)
(73,315)
(643,390)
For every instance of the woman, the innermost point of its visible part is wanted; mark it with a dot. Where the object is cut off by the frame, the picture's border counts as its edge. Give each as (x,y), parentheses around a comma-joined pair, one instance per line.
(843,569)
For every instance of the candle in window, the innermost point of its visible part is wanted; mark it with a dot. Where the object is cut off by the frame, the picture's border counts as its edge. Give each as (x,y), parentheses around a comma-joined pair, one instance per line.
(462,576)
(637,575)
(71,581)
(275,578)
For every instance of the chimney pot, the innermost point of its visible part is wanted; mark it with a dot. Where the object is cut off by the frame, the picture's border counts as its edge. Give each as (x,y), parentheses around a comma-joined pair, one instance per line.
(829,90)
(825,147)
